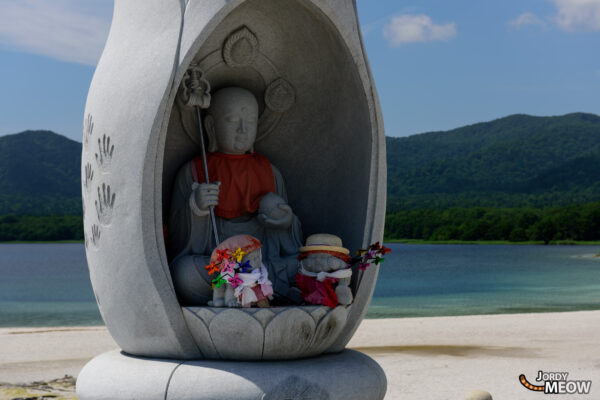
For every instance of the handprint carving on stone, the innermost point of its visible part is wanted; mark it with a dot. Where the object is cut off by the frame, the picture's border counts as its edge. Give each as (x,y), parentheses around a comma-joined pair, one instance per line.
(94,239)
(104,204)
(105,153)
(88,129)
(89,176)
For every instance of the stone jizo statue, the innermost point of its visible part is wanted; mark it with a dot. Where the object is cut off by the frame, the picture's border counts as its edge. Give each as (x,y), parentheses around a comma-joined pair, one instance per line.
(248,195)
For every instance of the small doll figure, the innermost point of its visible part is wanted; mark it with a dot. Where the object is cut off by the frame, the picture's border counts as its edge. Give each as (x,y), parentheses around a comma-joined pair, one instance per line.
(324,271)
(241,278)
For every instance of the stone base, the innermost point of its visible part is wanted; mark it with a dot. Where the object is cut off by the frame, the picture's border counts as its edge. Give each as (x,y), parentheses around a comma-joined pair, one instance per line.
(349,375)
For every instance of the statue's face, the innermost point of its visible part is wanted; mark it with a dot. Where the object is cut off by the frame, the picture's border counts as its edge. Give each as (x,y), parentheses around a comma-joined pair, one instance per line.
(236,122)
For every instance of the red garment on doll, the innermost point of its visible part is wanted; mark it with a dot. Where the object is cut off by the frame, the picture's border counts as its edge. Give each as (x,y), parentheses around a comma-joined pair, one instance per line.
(258,292)
(317,292)
(244,178)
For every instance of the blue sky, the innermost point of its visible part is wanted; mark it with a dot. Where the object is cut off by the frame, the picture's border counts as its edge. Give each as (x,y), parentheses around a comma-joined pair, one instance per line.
(438,64)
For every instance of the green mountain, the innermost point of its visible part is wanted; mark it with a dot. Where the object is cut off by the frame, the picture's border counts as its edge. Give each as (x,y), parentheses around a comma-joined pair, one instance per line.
(514,161)
(39,174)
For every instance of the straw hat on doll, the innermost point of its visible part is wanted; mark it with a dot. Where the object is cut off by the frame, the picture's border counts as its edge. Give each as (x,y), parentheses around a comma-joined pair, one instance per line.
(324,242)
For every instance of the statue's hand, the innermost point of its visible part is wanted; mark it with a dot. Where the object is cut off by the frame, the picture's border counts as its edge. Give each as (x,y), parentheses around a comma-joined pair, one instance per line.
(207,195)
(283,220)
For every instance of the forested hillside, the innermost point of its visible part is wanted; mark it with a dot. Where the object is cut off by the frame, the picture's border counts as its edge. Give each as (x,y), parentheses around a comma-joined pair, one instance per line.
(515,178)
(39,174)
(515,161)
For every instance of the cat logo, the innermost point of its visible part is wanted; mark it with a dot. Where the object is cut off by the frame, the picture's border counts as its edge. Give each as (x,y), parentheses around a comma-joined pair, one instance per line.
(556,383)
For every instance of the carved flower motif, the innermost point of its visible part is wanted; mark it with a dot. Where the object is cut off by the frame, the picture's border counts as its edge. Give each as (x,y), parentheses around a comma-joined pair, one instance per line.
(241,48)
(280,96)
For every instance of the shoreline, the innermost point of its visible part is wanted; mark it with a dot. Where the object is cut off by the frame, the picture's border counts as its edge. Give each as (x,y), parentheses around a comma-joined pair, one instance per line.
(28,329)
(38,329)
(459,353)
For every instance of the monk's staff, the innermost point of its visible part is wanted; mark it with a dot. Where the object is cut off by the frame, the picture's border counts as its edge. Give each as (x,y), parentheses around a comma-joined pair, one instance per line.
(197,94)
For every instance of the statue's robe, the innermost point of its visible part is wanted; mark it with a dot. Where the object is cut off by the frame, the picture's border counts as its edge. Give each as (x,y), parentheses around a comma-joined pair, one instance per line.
(190,240)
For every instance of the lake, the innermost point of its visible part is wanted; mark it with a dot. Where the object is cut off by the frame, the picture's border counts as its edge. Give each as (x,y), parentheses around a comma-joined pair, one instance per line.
(48,284)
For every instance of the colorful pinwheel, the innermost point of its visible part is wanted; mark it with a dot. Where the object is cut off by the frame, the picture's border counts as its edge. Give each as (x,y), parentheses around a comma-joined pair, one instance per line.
(236,281)
(373,254)
(218,281)
(245,267)
(238,254)
(222,255)
(212,268)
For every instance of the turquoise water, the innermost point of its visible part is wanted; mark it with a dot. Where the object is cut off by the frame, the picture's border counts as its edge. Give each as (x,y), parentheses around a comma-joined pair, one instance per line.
(45,285)
(436,280)
(48,284)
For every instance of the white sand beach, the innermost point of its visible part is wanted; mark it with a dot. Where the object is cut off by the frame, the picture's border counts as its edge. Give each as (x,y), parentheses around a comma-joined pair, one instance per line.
(423,358)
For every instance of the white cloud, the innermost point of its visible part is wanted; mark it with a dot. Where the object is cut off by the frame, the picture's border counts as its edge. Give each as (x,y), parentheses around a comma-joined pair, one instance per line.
(525,19)
(62,29)
(409,28)
(578,15)
(379,23)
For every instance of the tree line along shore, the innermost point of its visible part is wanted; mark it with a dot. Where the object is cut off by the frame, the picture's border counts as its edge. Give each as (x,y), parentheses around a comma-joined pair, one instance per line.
(561,225)
(573,223)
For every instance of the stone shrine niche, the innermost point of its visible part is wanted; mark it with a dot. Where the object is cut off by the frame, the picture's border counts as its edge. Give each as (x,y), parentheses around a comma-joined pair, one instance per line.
(320,124)
(315,118)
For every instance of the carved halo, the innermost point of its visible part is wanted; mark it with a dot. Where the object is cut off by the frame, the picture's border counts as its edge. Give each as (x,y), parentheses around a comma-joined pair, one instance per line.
(240,62)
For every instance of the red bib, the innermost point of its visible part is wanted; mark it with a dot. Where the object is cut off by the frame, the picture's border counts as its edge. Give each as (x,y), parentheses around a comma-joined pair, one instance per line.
(245,179)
